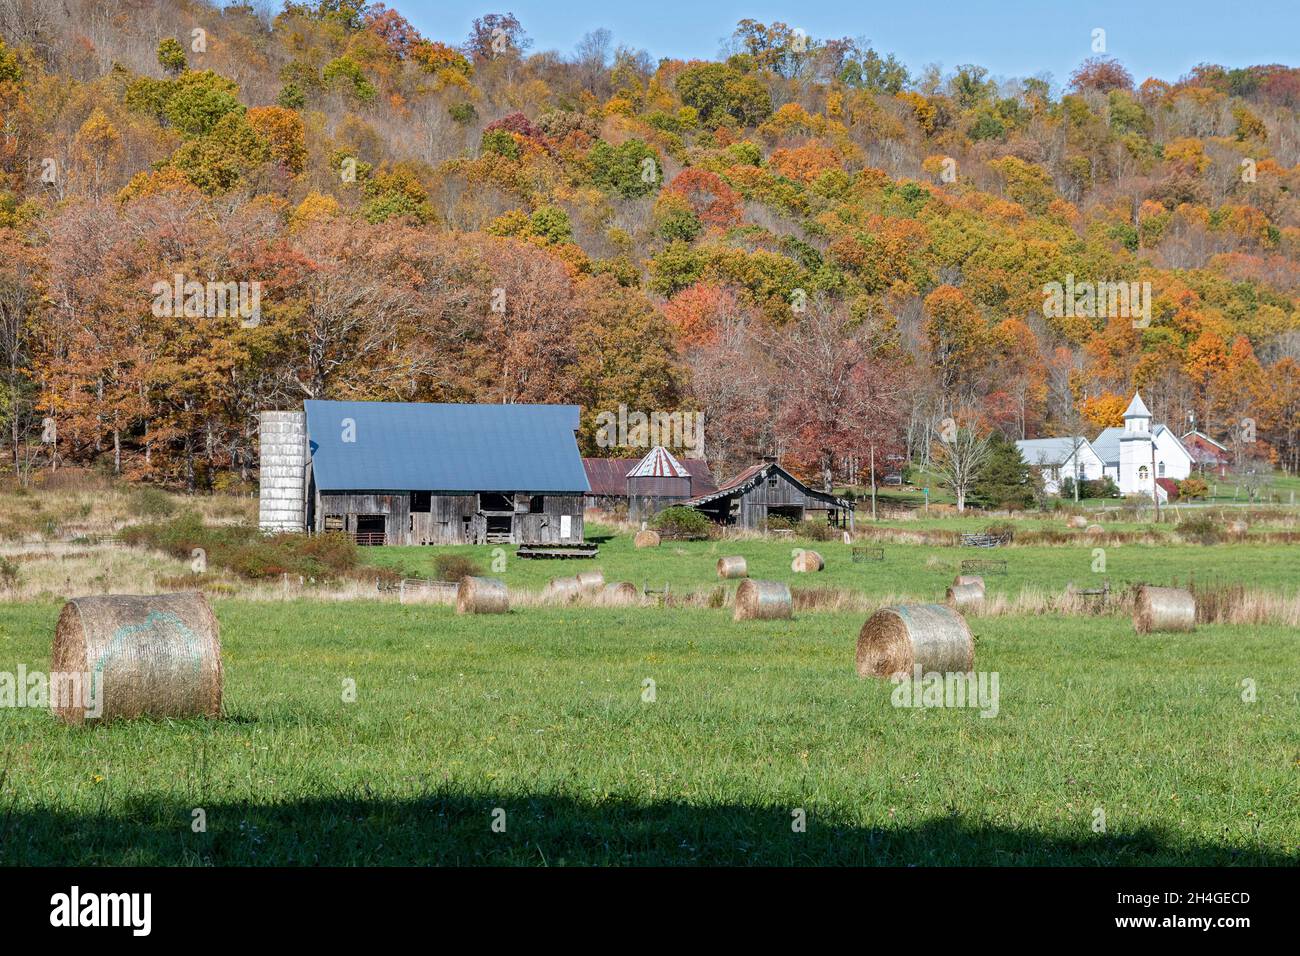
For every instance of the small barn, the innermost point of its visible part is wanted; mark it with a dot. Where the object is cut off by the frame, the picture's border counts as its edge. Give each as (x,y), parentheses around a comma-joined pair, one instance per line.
(424,473)
(766,491)
(647,485)
(1208,455)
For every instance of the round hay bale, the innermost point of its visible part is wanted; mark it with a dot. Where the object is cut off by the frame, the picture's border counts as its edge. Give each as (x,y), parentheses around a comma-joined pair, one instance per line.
(1164,609)
(646,539)
(591,580)
(482,596)
(807,561)
(966,595)
(969,579)
(1238,527)
(155,655)
(1077,521)
(621,594)
(1095,529)
(896,639)
(562,589)
(763,601)
(732,567)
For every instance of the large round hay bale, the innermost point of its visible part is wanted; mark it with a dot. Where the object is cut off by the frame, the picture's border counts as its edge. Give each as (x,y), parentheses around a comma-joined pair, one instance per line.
(1164,609)
(621,594)
(646,539)
(969,579)
(732,566)
(1077,521)
(806,562)
(896,639)
(763,601)
(1095,529)
(591,580)
(966,595)
(482,596)
(562,589)
(155,655)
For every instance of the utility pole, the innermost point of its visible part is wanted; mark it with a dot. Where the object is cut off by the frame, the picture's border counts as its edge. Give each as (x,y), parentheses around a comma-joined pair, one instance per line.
(1076,469)
(1155,488)
(873,481)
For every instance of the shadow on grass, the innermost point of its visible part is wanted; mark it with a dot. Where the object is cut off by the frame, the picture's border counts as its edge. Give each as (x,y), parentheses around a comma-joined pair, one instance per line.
(457,829)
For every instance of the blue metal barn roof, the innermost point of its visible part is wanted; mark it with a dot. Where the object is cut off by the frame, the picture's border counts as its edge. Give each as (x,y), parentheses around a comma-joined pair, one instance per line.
(436,447)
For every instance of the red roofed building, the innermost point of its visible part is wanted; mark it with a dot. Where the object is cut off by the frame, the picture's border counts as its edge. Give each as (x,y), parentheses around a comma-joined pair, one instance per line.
(1208,456)
(647,485)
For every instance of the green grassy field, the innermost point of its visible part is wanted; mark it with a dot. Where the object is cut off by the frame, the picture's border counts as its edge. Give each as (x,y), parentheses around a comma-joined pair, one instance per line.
(923,571)
(541,714)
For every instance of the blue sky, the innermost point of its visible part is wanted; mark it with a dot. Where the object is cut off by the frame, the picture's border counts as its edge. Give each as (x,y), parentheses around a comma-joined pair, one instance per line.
(1012,38)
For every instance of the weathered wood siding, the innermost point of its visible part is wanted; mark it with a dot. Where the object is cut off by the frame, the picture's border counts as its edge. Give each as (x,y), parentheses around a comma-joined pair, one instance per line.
(647,496)
(545,528)
(750,510)
(393,505)
(451,518)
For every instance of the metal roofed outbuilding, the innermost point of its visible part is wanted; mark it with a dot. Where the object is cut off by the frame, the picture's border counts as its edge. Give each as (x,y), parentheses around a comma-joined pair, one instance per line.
(416,473)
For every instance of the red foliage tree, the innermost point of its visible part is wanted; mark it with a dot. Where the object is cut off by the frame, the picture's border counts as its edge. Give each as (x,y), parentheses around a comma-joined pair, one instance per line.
(711,199)
(1101,73)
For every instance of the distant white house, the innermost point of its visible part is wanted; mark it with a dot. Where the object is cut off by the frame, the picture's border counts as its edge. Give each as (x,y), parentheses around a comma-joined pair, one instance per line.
(1135,457)
(1061,458)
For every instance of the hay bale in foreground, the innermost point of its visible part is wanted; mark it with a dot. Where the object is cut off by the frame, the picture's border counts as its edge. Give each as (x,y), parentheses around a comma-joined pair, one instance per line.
(733,566)
(156,655)
(621,594)
(966,595)
(1077,521)
(896,639)
(646,539)
(763,601)
(591,580)
(1095,529)
(562,589)
(807,561)
(969,579)
(1164,609)
(482,596)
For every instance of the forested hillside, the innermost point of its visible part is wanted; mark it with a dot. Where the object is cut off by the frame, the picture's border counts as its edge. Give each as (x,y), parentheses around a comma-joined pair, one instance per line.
(815,248)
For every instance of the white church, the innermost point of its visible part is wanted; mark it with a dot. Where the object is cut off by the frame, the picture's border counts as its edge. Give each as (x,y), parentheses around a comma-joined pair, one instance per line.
(1135,457)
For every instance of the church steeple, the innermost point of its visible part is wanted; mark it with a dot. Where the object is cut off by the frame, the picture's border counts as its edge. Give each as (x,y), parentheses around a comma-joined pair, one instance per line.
(1137,417)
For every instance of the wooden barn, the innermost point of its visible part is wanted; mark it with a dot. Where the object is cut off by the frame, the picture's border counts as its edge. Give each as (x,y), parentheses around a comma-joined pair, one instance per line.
(399,473)
(1208,456)
(766,491)
(647,485)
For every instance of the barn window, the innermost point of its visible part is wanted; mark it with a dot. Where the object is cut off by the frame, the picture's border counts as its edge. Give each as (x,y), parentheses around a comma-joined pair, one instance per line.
(1161,469)
(421,502)
(771,481)
(537,505)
